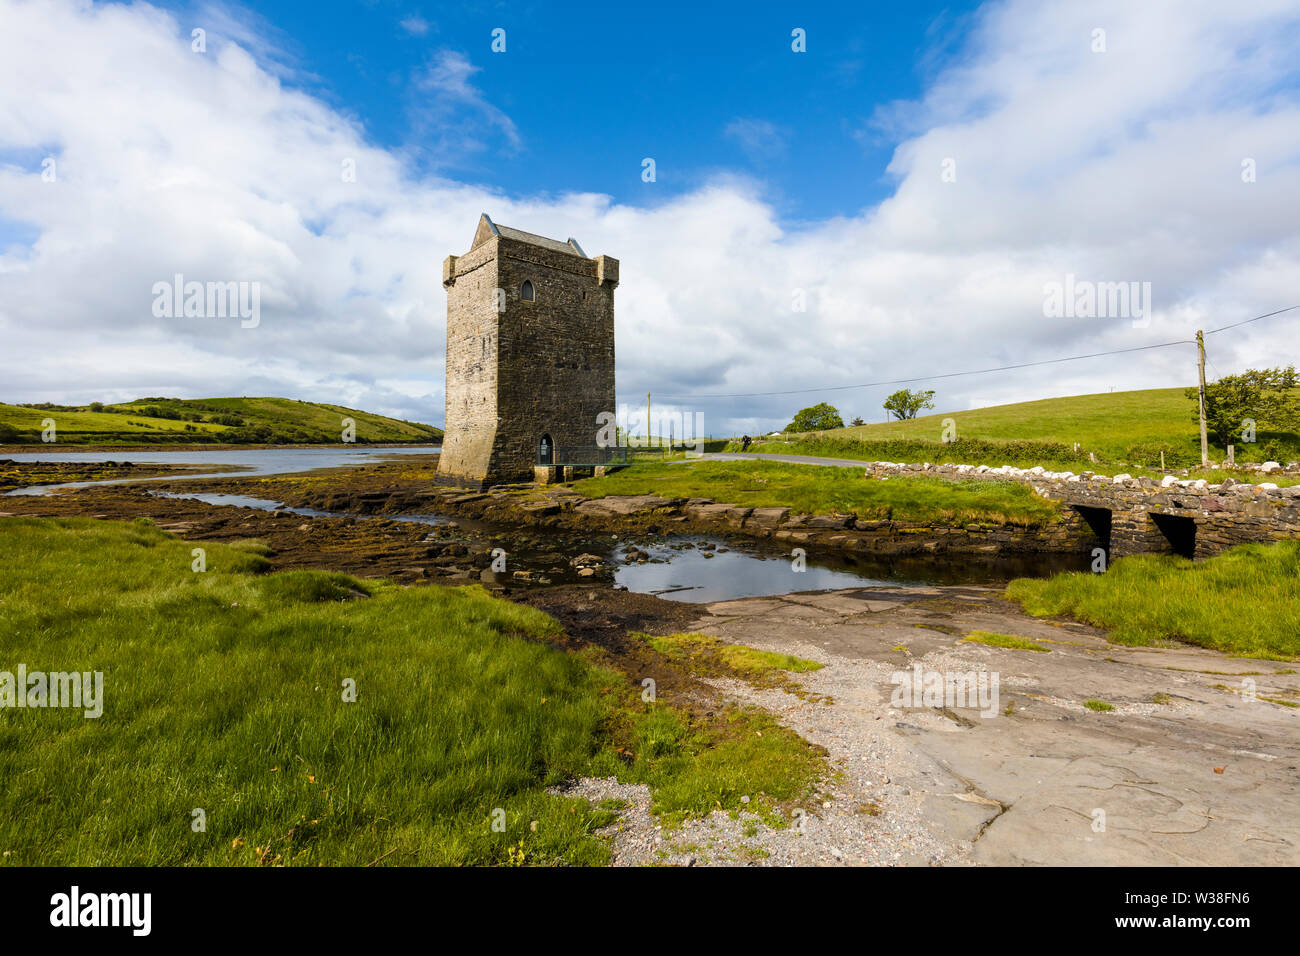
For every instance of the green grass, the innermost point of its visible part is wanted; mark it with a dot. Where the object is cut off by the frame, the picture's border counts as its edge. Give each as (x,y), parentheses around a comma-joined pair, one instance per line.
(1245,601)
(1100,706)
(223,691)
(820,490)
(1009,641)
(704,655)
(694,767)
(216,420)
(746,661)
(1130,428)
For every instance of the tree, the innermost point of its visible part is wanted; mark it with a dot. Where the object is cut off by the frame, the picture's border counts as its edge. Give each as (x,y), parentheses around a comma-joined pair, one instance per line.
(858,421)
(816,418)
(905,403)
(1262,396)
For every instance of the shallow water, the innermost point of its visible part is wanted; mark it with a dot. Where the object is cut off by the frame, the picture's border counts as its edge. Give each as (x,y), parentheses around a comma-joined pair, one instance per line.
(699,575)
(268,504)
(239,501)
(758,569)
(226,463)
(677,570)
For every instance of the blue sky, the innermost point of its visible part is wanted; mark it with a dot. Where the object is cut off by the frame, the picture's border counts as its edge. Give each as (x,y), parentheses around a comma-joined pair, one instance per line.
(591,89)
(1098,142)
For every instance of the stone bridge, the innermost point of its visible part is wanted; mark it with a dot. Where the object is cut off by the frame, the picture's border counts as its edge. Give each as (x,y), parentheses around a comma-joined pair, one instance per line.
(1129,515)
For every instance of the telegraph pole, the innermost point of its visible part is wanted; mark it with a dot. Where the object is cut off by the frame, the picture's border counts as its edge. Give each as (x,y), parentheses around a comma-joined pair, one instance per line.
(1200,368)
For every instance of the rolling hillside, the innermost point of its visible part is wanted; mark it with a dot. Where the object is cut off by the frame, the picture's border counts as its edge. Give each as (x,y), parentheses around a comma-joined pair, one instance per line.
(1118,427)
(206,420)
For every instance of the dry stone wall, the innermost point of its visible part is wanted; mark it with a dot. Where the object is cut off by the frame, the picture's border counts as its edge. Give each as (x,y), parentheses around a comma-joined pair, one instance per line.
(1147,515)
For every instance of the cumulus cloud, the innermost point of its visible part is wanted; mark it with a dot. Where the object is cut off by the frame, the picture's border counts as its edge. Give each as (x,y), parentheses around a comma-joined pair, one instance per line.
(1028,159)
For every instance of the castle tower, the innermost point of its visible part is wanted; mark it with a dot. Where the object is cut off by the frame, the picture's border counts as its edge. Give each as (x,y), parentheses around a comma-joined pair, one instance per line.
(530,353)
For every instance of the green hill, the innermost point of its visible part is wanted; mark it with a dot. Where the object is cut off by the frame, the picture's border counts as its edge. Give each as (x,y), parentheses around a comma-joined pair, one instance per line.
(1130,428)
(277,421)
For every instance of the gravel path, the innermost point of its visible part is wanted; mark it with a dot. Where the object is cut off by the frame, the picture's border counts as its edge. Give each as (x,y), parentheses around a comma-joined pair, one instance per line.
(866,815)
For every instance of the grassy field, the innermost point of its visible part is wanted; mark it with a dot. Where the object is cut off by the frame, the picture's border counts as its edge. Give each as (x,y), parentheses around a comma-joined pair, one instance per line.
(1245,601)
(224,691)
(215,420)
(818,490)
(1129,428)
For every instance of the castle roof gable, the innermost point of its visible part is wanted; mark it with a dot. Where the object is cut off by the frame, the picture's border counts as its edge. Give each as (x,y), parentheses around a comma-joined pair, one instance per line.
(487,228)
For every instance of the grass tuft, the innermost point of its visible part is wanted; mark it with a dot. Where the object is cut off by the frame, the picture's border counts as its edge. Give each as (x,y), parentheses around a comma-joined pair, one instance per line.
(1009,641)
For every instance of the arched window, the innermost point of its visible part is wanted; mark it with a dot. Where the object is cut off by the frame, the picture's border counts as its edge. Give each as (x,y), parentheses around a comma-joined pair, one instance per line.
(526,291)
(545,451)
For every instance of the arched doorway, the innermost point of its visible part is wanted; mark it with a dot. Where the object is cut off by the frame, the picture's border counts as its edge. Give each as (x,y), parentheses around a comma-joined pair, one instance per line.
(545,451)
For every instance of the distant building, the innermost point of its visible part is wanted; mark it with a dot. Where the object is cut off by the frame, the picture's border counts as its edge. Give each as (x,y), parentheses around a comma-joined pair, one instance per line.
(530,354)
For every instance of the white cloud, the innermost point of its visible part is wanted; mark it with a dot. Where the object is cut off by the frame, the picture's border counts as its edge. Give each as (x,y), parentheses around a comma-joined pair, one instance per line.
(1116,166)
(758,138)
(415,25)
(447,77)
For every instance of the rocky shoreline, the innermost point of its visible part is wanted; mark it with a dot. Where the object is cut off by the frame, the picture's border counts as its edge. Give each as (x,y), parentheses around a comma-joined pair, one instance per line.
(564,508)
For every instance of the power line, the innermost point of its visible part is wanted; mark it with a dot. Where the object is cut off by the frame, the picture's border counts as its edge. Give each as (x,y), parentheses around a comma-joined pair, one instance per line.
(982,371)
(1255,319)
(926,378)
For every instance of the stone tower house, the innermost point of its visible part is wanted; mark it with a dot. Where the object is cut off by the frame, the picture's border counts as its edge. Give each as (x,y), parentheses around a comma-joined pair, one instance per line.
(530,354)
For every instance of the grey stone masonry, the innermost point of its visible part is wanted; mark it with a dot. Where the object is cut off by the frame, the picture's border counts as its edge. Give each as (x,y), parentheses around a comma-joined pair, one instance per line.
(1146,515)
(530,353)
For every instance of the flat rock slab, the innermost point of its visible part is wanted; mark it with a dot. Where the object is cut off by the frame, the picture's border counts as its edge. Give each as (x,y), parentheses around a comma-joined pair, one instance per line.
(1185,770)
(622,505)
(768,517)
(707,512)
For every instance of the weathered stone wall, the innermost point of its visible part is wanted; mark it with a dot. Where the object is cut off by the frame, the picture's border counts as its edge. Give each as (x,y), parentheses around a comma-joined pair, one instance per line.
(556,358)
(472,410)
(1225,514)
(544,367)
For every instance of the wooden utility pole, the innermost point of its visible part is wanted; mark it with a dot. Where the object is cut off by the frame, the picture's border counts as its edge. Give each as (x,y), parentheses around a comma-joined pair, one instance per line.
(1200,369)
